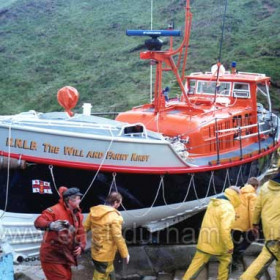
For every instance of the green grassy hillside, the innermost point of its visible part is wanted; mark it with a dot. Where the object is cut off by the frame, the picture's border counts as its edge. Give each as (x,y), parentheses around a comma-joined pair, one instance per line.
(47,44)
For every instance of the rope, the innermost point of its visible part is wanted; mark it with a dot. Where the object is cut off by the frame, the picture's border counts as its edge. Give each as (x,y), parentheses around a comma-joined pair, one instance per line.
(208,189)
(191,182)
(242,176)
(237,179)
(213,178)
(250,170)
(197,198)
(8,172)
(150,208)
(227,178)
(102,162)
(181,203)
(113,183)
(51,171)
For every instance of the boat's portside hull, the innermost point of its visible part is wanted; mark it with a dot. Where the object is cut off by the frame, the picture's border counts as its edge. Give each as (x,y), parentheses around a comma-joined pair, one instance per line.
(32,189)
(151,201)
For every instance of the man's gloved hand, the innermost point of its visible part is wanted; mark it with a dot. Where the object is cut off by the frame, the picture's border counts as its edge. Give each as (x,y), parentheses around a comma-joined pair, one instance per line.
(58,225)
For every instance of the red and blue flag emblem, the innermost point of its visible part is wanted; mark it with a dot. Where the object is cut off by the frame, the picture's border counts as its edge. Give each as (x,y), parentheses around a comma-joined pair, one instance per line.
(41,187)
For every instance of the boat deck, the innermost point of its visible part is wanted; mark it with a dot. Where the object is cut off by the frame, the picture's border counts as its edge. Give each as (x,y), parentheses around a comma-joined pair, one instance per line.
(59,122)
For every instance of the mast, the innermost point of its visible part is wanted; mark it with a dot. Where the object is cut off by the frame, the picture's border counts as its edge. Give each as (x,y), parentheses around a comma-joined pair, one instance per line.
(166,57)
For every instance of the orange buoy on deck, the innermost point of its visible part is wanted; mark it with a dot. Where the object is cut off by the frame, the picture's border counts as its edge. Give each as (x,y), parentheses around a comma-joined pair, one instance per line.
(68,97)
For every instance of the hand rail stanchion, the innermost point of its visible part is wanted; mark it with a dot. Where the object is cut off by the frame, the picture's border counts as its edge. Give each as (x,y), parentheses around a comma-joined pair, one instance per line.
(273,130)
(259,138)
(276,130)
(240,142)
(217,142)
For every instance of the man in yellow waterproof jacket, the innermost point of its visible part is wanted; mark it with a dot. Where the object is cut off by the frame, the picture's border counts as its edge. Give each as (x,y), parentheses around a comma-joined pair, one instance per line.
(268,209)
(243,234)
(105,223)
(215,235)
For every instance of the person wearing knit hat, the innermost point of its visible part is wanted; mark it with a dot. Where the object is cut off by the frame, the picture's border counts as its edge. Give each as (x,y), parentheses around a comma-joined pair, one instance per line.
(64,239)
(215,235)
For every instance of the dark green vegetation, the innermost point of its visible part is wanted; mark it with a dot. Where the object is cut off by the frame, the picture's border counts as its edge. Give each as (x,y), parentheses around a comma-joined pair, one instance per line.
(46,44)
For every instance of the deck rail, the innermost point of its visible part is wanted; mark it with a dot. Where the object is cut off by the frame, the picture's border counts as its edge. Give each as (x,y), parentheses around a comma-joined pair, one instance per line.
(239,129)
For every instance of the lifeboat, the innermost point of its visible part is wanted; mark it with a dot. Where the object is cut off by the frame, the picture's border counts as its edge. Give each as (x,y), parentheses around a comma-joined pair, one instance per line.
(167,158)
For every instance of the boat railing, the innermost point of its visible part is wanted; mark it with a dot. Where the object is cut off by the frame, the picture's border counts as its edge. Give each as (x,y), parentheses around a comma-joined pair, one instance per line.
(206,73)
(111,114)
(210,73)
(253,74)
(227,73)
(196,73)
(253,134)
(61,123)
(239,130)
(239,127)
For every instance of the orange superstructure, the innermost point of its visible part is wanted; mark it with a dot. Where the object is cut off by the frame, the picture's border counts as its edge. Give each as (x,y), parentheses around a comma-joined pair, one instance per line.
(218,114)
(227,119)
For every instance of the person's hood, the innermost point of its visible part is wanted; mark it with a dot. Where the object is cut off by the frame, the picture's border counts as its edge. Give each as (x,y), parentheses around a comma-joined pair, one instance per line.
(61,190)
(233,197)
(99,211)
(274,183)
(247,189)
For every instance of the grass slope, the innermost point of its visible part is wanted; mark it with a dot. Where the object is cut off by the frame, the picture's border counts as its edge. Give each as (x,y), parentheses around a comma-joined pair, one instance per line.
(46,44)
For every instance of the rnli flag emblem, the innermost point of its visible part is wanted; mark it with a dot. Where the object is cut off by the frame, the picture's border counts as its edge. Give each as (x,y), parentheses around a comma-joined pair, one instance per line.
(41,187)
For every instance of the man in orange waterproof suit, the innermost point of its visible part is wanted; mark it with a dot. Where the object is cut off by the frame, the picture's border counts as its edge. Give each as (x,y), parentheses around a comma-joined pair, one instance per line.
(64,239)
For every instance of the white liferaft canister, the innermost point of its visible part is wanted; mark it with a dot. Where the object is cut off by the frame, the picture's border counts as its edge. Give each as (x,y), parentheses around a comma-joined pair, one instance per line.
(87,109)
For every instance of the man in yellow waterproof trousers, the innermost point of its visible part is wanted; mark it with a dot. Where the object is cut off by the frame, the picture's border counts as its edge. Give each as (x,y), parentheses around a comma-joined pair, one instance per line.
(215,235)
(268,209)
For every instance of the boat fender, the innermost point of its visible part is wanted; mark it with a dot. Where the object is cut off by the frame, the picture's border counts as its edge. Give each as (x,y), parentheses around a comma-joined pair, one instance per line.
(12,163)
(7,249)
(68,97)
(18,258)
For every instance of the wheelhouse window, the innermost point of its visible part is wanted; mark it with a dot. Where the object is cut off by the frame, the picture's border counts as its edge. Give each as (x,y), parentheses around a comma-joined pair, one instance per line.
(241,90)
(263,97)
(191,90)
(206,87)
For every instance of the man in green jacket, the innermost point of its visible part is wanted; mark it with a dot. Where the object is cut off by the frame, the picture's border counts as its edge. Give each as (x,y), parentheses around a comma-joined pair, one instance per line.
(215,235)
(268,209)
(105,223)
